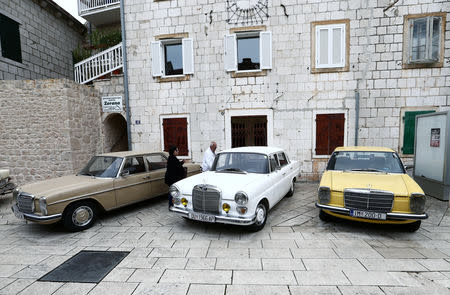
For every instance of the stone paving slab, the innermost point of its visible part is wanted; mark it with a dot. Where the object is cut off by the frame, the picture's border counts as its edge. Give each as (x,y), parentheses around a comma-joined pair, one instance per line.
(296,253)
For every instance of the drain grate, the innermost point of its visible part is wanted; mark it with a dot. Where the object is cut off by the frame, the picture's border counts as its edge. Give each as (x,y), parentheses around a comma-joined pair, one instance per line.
(86,267)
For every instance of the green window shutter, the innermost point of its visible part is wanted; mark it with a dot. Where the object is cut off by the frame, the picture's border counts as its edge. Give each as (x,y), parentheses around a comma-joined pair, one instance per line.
(10,38)
(410,130)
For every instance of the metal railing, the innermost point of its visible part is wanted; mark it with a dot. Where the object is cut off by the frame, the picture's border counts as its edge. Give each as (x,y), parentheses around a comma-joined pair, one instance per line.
(85,6)
(99,65)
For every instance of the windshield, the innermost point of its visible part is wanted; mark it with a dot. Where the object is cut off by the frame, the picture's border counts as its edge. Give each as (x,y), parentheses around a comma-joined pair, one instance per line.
(241,163)
(102,167)
(386,162)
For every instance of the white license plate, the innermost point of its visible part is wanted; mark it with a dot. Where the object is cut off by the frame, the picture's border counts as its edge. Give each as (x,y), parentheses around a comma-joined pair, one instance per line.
(202,217)
(17,213)
(368,214)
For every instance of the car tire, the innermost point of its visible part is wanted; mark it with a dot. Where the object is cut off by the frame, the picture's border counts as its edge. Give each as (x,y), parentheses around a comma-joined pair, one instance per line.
(325,216)
(413,226)
(261,217)
(291,189)
(79,216)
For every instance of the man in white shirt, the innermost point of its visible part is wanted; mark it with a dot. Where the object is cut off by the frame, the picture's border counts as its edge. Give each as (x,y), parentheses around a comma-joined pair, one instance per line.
(208,158)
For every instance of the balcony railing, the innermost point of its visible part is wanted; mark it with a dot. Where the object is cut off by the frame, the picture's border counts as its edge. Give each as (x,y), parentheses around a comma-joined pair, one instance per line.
(85,6)
(99,65)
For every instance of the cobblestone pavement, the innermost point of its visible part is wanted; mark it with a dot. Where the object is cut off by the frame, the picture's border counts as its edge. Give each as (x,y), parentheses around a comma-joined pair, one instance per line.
(296,253)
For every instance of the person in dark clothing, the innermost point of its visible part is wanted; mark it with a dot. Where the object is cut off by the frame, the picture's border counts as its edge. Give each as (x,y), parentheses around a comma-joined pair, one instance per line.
(175,170)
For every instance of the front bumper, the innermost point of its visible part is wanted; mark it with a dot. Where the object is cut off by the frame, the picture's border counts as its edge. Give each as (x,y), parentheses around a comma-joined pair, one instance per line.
(219,219)
(389,216)
(34,217)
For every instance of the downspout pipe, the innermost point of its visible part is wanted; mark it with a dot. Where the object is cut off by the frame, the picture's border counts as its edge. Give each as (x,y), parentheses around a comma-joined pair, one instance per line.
(356,116)
(125,71)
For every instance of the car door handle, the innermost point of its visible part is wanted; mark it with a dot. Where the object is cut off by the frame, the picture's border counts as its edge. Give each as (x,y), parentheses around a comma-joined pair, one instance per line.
(284,173)
(147,177)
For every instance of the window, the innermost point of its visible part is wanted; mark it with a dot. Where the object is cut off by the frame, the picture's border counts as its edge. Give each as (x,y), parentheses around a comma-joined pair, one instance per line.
(247,51)
(175,133)
(330,46)
(409,130)
(10,39)
(134,165)
(423,40)
(156,162)
(172,56)
(329,132)
(273,159)
(283,160)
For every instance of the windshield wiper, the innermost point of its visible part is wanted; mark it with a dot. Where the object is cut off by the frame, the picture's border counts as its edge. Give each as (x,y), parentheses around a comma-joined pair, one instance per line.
(88,174)
(232,170)
(369,170)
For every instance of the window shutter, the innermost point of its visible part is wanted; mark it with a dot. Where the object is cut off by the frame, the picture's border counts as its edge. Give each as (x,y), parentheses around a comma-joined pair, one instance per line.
(265,49)
(230,54)
(156,58)
(188,56)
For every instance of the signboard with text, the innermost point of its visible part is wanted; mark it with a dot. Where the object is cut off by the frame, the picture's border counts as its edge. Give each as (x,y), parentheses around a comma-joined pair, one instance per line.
(112,104)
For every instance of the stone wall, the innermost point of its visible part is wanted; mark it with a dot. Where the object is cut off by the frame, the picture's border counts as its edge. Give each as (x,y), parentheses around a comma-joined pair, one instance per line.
(48,35)
(49,128)
(289,91)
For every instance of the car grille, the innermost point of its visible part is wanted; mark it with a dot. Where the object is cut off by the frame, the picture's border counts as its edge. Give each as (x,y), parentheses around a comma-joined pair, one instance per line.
(25,202)
(205,199)
(368,200)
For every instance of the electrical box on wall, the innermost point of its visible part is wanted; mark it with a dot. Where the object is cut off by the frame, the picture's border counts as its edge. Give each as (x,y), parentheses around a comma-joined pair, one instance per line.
(432,154)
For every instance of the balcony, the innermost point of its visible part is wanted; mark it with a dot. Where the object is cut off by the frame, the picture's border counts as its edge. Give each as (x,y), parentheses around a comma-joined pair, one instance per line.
(100,12)
(99,65)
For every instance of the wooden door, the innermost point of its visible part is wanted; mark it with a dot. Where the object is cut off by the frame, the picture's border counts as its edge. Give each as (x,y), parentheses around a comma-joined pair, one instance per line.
(175,134)
(329,132)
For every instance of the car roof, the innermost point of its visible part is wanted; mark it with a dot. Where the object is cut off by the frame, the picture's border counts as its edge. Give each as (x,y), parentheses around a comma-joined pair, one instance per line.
(132,153)
(363,149)
(254,149)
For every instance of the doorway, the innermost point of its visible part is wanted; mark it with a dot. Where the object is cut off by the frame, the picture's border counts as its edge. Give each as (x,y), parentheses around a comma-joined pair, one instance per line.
(115,132)
(248,131)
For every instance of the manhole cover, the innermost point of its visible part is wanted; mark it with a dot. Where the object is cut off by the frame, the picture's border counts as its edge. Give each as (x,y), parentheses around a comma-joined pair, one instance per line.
(86,267)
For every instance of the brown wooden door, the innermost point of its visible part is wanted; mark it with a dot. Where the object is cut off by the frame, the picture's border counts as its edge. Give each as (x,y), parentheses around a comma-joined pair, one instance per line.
(175,133)
(249,131)
(329,132)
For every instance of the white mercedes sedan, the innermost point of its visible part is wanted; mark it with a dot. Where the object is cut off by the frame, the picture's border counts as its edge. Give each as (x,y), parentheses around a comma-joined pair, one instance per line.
(242,186)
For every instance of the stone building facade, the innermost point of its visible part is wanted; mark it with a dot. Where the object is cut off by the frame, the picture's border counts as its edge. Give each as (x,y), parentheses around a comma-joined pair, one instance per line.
(49,128)
(37,41)
(291,90)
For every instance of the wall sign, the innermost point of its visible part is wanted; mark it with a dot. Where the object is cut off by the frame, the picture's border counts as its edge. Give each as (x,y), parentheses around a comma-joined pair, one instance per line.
(112,104)
(435,137)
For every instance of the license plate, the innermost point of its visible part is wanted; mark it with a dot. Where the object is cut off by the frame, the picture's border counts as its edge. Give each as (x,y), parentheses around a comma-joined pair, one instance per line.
(368,214)
(17,213)
(202,217)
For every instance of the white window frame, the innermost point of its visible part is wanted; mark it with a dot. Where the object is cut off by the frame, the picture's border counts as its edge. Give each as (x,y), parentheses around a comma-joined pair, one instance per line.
(248,112)
(428,42)
(159,58)
(332,111)
(231,50)
(330,28)
(188,119)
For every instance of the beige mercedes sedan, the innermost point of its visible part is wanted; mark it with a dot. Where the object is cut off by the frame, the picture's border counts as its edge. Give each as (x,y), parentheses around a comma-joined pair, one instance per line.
(109,181)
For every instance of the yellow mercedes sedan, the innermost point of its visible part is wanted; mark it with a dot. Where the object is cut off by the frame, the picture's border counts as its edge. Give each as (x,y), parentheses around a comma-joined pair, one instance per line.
(370,184)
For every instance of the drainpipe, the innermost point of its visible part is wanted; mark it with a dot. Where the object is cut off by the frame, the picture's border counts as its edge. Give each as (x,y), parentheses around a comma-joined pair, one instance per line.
(125,71)
(356,116)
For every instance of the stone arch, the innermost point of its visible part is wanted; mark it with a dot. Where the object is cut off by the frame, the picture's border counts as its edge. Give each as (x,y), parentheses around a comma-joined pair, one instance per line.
(115,133)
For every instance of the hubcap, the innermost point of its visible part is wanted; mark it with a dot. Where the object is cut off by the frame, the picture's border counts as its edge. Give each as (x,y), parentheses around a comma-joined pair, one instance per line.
(260,214)
(82,216)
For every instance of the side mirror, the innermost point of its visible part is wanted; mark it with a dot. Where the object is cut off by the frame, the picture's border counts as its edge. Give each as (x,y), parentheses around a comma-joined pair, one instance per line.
(278,168)
(408,167)
(125,173)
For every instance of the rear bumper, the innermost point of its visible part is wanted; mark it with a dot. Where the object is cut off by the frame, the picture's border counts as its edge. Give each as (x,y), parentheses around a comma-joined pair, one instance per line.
(218,219)
(389,216)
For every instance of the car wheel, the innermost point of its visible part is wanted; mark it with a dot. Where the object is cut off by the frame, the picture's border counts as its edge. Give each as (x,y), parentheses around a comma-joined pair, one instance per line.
(325,216)
(261,217)
(414,226)
(79,216)
(291,189)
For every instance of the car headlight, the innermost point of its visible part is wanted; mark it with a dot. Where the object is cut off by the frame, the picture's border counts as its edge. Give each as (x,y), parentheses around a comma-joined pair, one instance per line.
(174,191)
(43,205)
(417,203)
(241,198)
(324,195)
